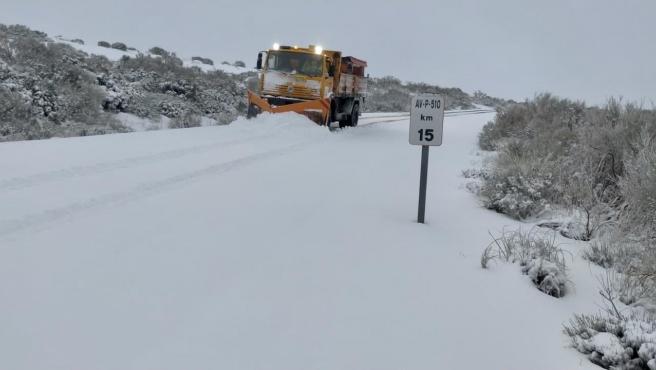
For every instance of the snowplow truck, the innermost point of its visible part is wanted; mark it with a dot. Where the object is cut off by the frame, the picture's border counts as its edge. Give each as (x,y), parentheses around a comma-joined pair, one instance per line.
(320,84)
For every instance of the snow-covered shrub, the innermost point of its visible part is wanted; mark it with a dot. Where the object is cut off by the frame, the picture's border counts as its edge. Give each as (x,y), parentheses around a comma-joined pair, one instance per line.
(547,276)
(119,46)
(487,139)
(482,98)
(207,61)
(600,252)
(520,184)
(389,94)
(156,50)
(639,187)
(615,338)
(185,120)
(538,255)
(104,44)
(613,342)
(240,63)
(510,122)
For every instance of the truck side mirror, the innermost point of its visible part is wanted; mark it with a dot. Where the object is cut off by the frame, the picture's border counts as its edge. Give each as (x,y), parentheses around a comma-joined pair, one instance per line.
(259,61)
(331,70)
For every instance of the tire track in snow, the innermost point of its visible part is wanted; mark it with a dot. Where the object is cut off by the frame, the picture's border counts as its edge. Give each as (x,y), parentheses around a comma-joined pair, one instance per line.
(27,181)
(42,219)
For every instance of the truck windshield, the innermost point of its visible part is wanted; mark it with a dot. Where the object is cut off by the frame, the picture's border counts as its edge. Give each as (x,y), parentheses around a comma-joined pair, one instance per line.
(292,62)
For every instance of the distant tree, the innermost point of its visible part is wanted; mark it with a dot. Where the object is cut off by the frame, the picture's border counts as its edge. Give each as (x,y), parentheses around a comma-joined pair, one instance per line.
(104,44)
(240,63)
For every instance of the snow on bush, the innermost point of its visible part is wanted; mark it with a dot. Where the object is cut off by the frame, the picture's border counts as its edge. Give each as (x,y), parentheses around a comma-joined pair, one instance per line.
(597,163)
(206,61)
(613,342)
(615,338)
(52,89)
(520,184)
(119,46)
(600,252)
(547,276)
(639,186)
(538,255)
(389,94)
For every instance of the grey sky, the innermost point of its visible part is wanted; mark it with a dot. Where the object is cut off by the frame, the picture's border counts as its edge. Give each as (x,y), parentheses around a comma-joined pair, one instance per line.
(510,48)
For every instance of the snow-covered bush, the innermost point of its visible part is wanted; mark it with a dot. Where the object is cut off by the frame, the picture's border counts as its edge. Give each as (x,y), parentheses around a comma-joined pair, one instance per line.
(389,94)
(638,186)
(598,163)
(156,50)
(240,63)
(547,276)
(615,342)
(119,46)
(615,338)
(185,120)
(600,252)
(104,44)
(538,255)
(55,89)
(207,61)
(520,183)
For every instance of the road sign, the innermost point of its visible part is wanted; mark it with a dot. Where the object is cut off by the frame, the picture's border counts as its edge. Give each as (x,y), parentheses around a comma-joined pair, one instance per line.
(426,129)
(426,119)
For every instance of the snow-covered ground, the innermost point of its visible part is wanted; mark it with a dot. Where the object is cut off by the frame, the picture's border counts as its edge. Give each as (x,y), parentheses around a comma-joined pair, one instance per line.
(266,244)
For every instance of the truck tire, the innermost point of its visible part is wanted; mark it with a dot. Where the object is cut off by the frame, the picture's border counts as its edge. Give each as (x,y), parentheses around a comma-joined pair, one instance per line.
(252,112)
(355,115)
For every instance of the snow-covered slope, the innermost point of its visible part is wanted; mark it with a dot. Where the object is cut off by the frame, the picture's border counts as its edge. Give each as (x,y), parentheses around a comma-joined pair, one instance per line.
(115,54)
(265,244)
(94,49)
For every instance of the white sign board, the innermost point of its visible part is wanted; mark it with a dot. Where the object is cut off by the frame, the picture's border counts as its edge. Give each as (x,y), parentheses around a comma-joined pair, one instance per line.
(426,119)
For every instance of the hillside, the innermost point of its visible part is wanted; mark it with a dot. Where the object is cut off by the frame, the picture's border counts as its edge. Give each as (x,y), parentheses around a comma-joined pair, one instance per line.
(50,88)
(72,87)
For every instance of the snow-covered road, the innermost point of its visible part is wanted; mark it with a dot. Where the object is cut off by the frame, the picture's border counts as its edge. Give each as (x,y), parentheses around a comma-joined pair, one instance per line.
(267,244)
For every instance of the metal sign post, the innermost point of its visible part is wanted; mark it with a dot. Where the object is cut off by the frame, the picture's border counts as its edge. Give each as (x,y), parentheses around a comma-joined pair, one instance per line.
(426,129)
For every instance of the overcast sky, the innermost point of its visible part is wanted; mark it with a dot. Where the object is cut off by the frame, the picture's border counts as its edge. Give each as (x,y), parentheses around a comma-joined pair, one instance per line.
(585,49)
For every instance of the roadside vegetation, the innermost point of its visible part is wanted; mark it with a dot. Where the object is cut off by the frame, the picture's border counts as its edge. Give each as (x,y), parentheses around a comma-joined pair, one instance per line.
(52,89)
(537,253)
(588,173)
(389,94)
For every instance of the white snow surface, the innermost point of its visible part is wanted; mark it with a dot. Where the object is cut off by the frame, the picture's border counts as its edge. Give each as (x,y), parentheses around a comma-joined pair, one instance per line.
(136,123)
(266,244)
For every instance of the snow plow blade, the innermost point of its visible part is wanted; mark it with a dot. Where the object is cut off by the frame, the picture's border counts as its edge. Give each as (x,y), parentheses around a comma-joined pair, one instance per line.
(316,110)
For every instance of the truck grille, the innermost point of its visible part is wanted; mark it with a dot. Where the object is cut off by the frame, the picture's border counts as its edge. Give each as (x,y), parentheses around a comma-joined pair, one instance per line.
(299,92)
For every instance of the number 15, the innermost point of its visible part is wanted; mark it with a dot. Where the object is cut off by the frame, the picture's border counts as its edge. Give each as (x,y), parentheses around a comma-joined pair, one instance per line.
(426,134)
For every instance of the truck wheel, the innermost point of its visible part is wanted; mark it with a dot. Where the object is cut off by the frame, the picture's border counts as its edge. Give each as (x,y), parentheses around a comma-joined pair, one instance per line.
(355,115)
(252,112)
